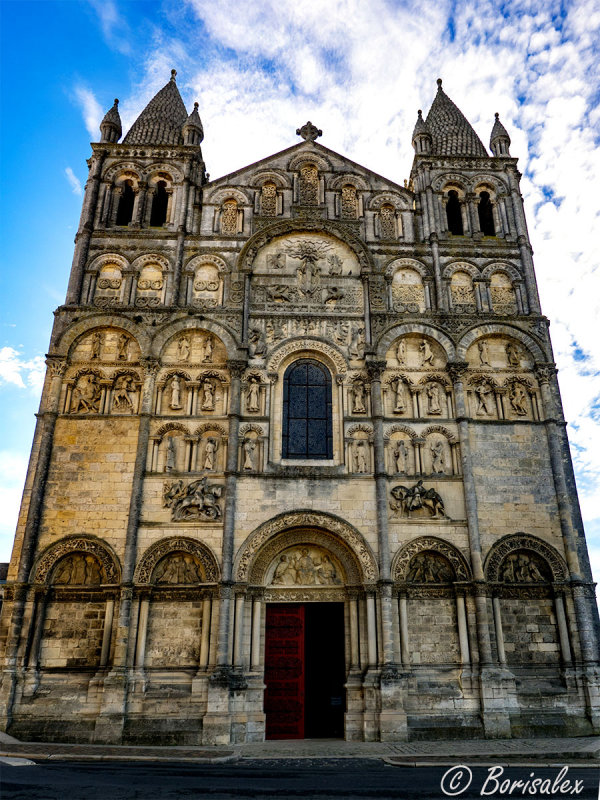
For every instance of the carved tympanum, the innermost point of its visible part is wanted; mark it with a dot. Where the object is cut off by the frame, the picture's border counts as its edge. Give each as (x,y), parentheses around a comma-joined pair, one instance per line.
(430,567)
(524,567)
(196,500)
(178,568)
(418,501)
(306,566)
(78,569)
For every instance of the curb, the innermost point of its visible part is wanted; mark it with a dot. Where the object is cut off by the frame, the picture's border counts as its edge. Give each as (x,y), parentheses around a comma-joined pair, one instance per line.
(131,757)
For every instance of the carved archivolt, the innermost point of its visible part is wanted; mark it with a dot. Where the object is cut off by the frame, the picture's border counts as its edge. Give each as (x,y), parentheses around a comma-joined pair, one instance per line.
(308,157)
(400,429)
(436,376)
(396,331)
(251,428)
(124,166)
(173,175)
(460,266)
(302,347)
(103,321)
(77,544)
(528,342)
(406,263)
(500,266)
(206,260)
(188,325)
(395,199)
(401,563)
(354,180)
(359,429)
(106,259)
(455,180)
(172,426)
(220,195)
(306,527)
(177,544)
(151,260)
(280,179)
(478,181)
(210,426)
(524,541)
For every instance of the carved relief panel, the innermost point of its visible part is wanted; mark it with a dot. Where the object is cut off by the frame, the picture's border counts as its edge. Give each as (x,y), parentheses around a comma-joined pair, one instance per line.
(106,346)
(408,292)
(196,348)
(109,286)
(307,566)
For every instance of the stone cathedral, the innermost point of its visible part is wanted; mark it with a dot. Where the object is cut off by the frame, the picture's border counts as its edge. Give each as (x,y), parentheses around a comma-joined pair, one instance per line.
(300,467)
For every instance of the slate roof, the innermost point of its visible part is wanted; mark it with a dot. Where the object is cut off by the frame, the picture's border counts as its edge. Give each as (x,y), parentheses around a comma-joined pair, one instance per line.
(451,132)
(194,119)
(113,117)
(498,131)
(160,122)
(420,125)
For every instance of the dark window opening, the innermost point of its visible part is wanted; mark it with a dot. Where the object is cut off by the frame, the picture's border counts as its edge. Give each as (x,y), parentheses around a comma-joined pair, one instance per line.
(486,215)
(307,424)
(454,214)
(158,216)
(125,209)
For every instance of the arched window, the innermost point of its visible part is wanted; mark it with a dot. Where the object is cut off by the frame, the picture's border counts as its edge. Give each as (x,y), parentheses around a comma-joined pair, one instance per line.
(387,220)
(309,185)
(268,199)
(307,424)
(453,213)
(125,209)
(486,215)
(349,202)
(229,217)
(158,217)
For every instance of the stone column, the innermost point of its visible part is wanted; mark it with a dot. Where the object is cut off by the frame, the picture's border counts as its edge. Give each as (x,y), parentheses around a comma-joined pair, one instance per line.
(142,632)
(405,649)
(463,631)
(107,631)
(371,631)
(238,660)
(256,630)
(523,240)
(441,300)
(498,627)
(140,204)
(563,629)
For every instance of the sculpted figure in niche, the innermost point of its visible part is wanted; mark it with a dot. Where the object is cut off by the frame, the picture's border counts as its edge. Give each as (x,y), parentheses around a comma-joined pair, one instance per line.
(484,354)
(358,398)
(356,348)
(210,452)
(258,344)
(401,352)
(438,459)
(429,568)
(326,572)
(518,400)
(96,345)
(171,454)
(415,498)
(86,395)
(433,399)
(305,568)
(197,500)
(252,396)
(513,355)
(78,569)
(207,349)
(175,402)
(360,455)
(179,568)
(124,390)
(335,264)
(400,405)
(249,453)
(427,357)
(484,394)
(123,347)
(522,568)
(183,349)
(400,454)
(208,395)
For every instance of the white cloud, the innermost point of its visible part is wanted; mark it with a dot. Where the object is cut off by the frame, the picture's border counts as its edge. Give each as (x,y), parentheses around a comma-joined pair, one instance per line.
(21,372)
(13,467)
(74,181)
(91,109)
(113,25)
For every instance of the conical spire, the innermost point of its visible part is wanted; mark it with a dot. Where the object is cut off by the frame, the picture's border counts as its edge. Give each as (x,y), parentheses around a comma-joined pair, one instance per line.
(451,132)
(110,127)
(193,132)
(499,139)
(421,138)
(161,121)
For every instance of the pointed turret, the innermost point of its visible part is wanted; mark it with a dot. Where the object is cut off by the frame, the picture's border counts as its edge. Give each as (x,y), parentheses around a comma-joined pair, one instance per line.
(451,132)
(421,138)
(162,119)
(499,139)
(193,132)
(110,127)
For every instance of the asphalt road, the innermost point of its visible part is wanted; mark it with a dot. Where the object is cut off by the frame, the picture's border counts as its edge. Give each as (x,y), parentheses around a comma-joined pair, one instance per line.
(272,779)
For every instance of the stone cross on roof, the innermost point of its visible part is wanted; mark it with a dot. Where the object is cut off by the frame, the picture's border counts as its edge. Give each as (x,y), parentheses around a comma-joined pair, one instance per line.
(309,132)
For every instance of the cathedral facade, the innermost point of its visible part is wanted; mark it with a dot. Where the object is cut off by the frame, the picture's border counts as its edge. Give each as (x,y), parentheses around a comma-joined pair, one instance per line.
(300,467)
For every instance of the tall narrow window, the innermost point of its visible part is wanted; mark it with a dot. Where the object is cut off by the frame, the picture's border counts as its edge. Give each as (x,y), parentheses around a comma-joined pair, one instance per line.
(486,215)
(307,424)
(229,217)
(309,185)
(454,214)
(387,218)
(158,217)
(125,209)
(349,202)
(268,199)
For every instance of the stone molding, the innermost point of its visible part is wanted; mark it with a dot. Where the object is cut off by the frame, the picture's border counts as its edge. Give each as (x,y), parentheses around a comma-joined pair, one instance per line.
(177,544)
(77,543)
(402,559)
(523,541)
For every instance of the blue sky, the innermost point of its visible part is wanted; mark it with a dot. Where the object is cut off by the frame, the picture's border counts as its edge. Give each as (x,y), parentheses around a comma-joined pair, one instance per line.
(259,70)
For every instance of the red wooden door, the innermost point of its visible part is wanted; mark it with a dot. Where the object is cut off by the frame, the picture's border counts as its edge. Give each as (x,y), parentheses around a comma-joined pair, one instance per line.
(284,671)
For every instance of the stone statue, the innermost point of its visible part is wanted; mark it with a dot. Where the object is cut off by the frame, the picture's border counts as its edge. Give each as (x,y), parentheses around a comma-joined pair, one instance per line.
(208,395)
(438,459)
(86,395)
(124,389)
(518,400)
(252,396)
(400,454)
(96,345)
(326,572)
(123,347)
(484,391)
(400,405)
(401,352)
(358,398)
(285,572)
(407,500)
(513,355)
(183,349)
(175,402)
(177,568)
(484,355)
(520,568)
(335,264)
(433,399)
(429,568)
(359,449)
(78,569)
(249,451)
(171,454)
(305,568)
(426,352)
(197,500)
(356,348)
(210,452)
(257,343)
(300,568)
(207,349)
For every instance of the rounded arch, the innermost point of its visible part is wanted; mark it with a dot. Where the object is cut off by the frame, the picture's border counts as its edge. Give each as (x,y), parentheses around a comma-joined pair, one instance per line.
(304,347)
(177,544)
(500,266)
(115,171)
(524,541)
(351,178)
(386,339)
(279,178)
(309,157)
(441,430)
(460,266)
(188,324)
(220,195)
(485,182)
(401,202)
(206,260)
(171,172)
(346,542)
(529,343)
(281,227)
(171,427)
(406,263)
(401,429)
(77,543)
(108,258)
(151,259)
(114,321)
(450,180)
(402,559)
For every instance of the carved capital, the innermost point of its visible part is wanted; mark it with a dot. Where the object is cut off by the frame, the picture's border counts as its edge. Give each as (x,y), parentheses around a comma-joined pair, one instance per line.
(273,377)
(375,369)
(545,371)
(236,367)
(457,369)
(56,366)
(151,366)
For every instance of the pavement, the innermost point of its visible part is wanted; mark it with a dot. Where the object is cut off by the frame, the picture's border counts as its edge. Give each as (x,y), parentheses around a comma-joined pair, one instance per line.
(584,751)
